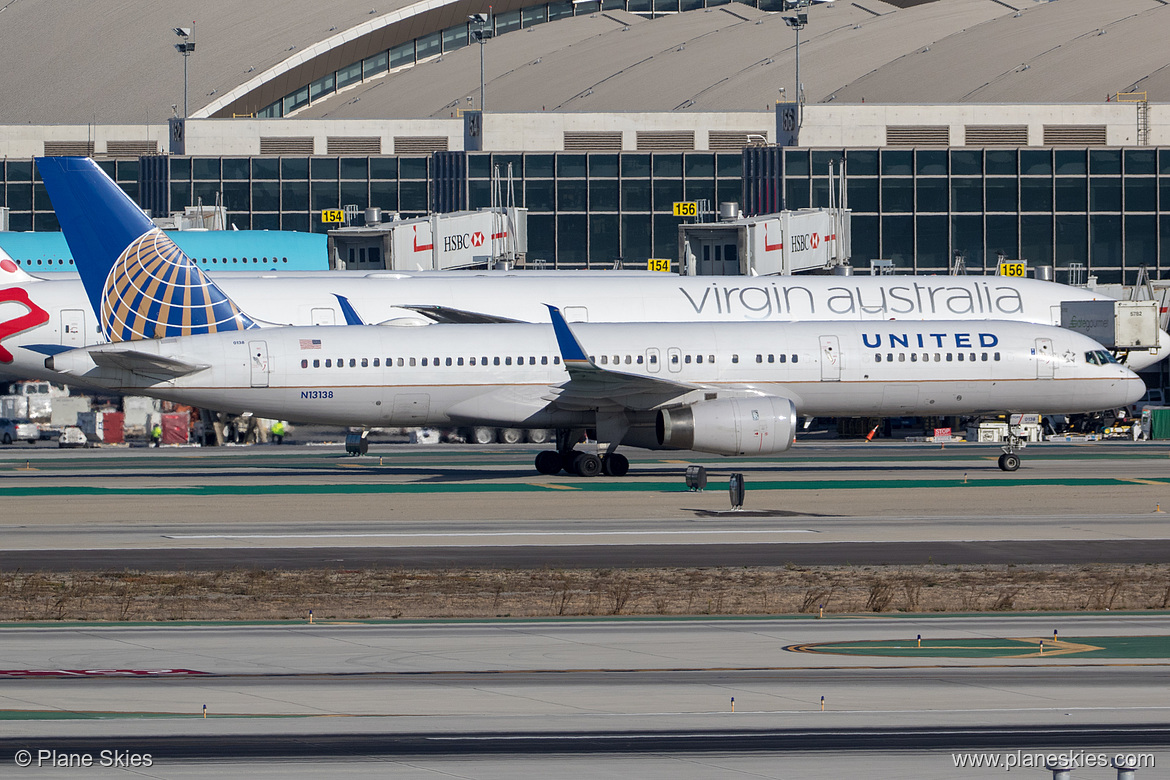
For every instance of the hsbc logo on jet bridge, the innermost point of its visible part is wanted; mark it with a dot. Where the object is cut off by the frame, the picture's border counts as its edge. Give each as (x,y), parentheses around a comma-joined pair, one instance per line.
(462,241)
(805,242)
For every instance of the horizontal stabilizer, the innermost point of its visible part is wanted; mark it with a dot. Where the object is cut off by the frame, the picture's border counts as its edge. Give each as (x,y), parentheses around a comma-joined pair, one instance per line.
(46,349)
(450,316)
(144,363)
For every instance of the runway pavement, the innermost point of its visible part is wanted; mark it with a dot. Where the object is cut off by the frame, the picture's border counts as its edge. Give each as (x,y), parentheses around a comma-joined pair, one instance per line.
(589,698)
(305,507)
(373,696)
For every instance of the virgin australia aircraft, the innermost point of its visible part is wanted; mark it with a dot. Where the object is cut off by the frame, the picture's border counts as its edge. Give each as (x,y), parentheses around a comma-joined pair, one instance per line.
(101,223)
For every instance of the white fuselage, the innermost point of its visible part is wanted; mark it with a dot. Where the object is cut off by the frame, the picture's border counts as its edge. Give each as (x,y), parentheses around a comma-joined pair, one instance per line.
(510,375)
(309,299)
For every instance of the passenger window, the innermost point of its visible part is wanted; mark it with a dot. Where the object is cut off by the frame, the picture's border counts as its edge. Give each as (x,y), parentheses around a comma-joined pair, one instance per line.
(508,360)
(877,357)
(913,357)
(698,358)
(734,358)
(687,359)
(604,359)
(316,364)
(495,361)
(971,357)
(424,361)
(544,360)
(937,358)
(783,358)
(556,360)
(950,357)
(365,363)
(472,361)
(674,359)
(459,361)
(901,357)
(448,361)
(984,357)
(795,358)
(771,358)
(304,364)
(759,358)
(960,357)
(413,359)
(997,356)
(532,360)
(628,360)
(483,361)
(328,363)
(710,358)
(400,362)
(376,362)
(653,360)
(353,362)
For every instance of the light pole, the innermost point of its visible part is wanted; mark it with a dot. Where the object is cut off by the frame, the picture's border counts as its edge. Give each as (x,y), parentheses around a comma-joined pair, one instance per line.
(797,23)
(186,48)
(482,32)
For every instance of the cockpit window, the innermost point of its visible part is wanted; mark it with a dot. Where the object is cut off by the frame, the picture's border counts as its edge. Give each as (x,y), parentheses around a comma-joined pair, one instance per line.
(1099,357)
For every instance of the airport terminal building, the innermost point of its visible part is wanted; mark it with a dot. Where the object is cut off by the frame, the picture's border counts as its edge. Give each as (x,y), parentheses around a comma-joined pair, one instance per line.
(974,128)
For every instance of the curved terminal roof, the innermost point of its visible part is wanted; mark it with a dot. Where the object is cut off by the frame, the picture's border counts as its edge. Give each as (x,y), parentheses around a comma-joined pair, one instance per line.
(121,67)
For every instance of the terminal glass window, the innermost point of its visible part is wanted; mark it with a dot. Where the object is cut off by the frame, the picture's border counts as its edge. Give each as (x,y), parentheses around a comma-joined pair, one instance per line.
(402,54)
(322,87)
(375,64)
(455,37)
(350,74)
(294,196)
(429,45)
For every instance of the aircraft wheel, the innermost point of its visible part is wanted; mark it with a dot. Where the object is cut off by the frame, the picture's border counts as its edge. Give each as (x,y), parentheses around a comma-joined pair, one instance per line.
(548,462)
(483,435)
(615,465)
(7,439)
(1009,461)
(586,464)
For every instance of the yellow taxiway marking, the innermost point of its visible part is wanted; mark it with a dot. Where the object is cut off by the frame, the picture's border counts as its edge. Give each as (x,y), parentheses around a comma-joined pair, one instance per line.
(553,487)
(1059,647)
(1145,481)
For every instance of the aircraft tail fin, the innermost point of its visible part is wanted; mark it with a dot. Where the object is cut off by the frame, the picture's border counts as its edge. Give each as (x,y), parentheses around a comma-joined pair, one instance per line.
(139,283)
(11,273)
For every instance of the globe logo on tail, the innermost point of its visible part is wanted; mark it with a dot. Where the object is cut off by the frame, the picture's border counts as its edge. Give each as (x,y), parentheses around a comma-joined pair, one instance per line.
(155,291)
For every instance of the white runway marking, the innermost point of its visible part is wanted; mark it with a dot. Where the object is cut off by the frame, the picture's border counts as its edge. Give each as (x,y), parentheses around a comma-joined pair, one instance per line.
(493,535)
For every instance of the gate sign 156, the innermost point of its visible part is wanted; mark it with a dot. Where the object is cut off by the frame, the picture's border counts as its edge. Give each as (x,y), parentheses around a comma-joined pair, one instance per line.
(1013,269)
(686,209)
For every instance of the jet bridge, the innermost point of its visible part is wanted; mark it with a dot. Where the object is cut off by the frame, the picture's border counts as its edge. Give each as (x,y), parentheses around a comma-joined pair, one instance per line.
(485,238)
(787,242)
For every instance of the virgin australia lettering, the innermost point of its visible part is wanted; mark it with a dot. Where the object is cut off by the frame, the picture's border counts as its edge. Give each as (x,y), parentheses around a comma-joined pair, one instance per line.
(946,298)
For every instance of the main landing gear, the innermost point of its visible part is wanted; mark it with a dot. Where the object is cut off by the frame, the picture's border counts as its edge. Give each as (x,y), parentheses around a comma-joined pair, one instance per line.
(583,464)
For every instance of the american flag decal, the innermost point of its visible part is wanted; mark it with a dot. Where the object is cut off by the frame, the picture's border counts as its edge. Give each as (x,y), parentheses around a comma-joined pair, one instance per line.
(310,343)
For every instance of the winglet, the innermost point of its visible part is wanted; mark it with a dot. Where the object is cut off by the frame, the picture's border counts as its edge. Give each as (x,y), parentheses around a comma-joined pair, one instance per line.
(571,350)
(347,310)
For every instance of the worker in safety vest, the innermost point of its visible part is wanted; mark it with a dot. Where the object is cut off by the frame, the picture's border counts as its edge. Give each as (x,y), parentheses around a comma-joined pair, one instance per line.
(155,435)
(278,431)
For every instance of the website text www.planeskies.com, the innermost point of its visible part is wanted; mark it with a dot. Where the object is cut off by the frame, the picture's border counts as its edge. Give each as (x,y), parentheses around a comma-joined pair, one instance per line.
(1070,759)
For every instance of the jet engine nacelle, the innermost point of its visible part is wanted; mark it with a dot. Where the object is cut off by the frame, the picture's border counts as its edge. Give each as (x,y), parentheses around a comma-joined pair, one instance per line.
(758,425)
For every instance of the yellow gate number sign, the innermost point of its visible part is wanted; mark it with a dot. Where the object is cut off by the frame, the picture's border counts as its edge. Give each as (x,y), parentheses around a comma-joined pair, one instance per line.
(1013,269)
(333,215)
(658,264)
(686,209)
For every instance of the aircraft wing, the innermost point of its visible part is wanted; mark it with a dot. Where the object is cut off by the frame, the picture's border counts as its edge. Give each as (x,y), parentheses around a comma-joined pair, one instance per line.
(144,363)
(449,315)
(593,387)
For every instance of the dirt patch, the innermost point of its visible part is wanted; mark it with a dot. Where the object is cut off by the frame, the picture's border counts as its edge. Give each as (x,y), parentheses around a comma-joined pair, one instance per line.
(340,595)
